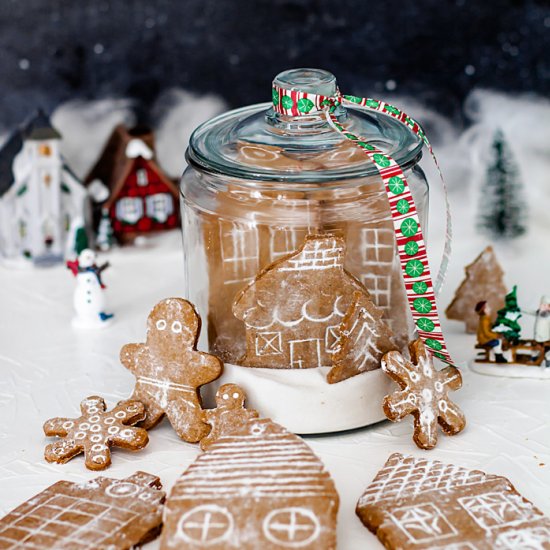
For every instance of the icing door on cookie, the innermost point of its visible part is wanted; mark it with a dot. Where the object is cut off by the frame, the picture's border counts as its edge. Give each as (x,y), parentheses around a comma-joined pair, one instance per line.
(304,353)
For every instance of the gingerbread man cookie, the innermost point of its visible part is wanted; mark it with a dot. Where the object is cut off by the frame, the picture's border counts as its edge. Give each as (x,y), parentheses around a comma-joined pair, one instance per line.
(169,370)
(95,431)
(424,394)
(229,413)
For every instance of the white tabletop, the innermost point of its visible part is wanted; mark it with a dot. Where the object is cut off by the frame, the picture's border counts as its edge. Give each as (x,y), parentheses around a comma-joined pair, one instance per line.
(46,369)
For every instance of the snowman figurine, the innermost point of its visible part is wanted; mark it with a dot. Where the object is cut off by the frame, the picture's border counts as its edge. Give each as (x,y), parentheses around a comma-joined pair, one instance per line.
(89,294)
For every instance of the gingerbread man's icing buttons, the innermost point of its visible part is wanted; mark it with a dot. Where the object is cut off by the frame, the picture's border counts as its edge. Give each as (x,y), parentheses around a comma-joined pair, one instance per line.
(169,369)
(95,431)
(423,394)
(229,413)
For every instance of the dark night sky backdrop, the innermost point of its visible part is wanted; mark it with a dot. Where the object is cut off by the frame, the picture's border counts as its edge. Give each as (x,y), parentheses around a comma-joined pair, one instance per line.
(437,50)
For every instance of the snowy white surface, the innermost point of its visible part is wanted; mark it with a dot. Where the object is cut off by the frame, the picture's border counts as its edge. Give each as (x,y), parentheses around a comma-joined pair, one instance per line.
(46,368)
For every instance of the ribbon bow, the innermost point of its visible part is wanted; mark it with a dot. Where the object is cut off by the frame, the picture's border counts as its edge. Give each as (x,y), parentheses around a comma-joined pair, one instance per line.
(411,247)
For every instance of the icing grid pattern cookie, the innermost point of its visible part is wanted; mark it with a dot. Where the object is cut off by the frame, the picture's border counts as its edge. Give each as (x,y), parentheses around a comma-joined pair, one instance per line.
(423,504)
(98,514)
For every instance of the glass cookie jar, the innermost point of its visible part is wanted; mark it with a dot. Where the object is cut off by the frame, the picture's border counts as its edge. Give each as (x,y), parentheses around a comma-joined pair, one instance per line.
(261,187)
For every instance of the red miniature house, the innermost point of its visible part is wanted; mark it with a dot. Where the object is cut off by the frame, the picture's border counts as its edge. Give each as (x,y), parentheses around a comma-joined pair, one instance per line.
(142,198)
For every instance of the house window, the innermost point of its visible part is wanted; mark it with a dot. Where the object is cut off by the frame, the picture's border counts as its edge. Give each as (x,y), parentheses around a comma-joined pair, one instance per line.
(142,177)
(22,228)
(268,343)
(292,527)
(44,150)
(129,209)
(205,525)
(159,206)
(422,523)
(239,251)
(493,510)
(378,246)
(47,178)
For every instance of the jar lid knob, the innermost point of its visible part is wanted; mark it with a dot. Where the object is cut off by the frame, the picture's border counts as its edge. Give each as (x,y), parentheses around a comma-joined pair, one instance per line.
(315,81)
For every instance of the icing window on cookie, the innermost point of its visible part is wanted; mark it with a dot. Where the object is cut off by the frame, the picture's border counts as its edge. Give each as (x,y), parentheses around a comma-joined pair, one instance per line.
(207,524)
(283,241)
(493,510)
(268,343)
(528,537)
(291,527)
(176,327)
(332,338)
(161,324)
(239,251)
(422,523)
(378,246)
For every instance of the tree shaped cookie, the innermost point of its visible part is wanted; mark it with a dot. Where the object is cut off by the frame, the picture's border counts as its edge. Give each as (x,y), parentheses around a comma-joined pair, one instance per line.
(95,431)
(228,414)
(424,394)
(169,370)
(363,339)
(484,281)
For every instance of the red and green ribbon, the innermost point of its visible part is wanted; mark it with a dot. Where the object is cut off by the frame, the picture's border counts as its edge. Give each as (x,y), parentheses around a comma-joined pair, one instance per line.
(411,247)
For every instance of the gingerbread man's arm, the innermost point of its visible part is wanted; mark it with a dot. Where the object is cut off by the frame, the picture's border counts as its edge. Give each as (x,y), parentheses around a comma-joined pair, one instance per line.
(62,451)
(211,368)
(134,411)
(129,356)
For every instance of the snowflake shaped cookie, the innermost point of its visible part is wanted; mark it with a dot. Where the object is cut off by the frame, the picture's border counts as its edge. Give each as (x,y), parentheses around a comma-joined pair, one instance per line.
(95,431)
(424,394)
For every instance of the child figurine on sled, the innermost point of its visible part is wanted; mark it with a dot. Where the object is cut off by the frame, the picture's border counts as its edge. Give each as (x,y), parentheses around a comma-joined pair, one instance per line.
(486,337)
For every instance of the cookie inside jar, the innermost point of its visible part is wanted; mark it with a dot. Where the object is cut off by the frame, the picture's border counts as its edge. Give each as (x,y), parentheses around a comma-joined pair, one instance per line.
(290,254)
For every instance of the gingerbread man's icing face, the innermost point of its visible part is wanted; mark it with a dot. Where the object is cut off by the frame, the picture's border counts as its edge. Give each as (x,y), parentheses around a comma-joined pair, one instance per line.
(172,325)
(230,396)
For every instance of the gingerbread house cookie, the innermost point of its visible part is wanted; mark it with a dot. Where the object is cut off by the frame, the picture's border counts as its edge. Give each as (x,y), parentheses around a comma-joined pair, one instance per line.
(419,504)
(484,281)
(237,250)
(257,486)
(293,309)
(101,513)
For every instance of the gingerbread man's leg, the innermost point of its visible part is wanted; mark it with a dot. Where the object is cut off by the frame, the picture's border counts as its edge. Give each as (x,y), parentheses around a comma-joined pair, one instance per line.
(154,413)
(186,417)
(62,451)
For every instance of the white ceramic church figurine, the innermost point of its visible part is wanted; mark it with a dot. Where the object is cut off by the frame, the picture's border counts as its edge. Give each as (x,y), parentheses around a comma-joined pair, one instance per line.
(41,200)
(89,294)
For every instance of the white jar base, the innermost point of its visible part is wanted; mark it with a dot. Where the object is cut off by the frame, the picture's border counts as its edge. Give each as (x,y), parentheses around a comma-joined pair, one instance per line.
(304,402)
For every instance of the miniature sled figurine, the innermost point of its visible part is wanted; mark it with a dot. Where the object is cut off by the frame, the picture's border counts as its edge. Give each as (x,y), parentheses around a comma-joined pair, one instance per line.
(486,338)
(89,294)
(542,326)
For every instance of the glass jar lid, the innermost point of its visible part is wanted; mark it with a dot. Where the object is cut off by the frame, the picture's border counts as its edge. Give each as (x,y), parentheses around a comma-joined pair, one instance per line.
(256,143)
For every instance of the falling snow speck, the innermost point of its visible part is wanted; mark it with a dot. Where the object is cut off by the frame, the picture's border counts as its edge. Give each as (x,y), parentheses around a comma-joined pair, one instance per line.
(24,64)
(99,48)
(547,21)
(469,70)
(391,85)
(150,23)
